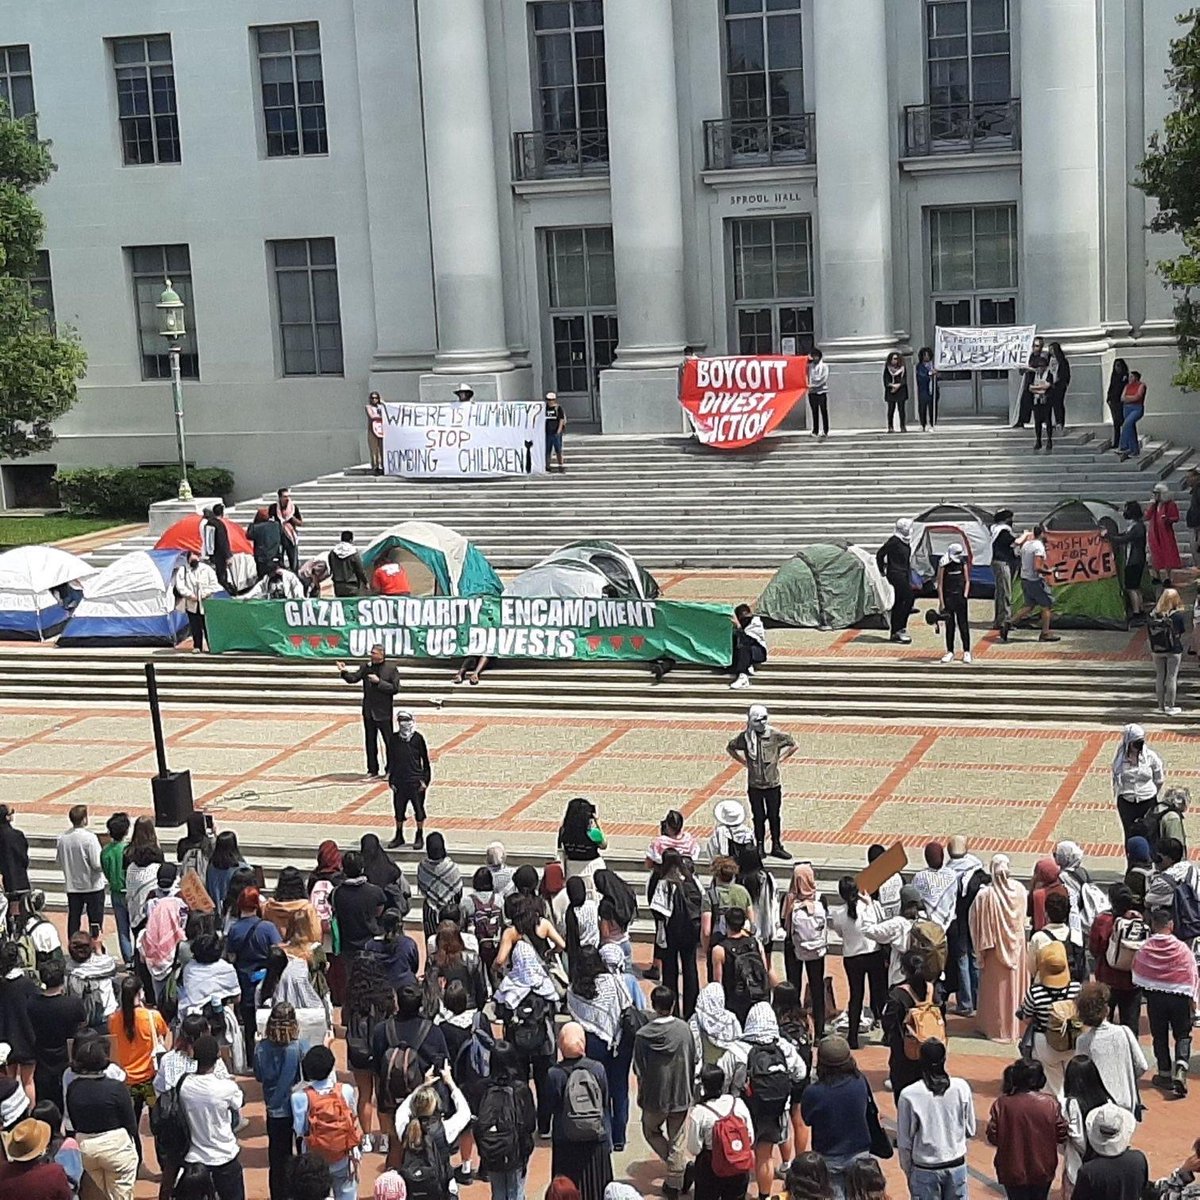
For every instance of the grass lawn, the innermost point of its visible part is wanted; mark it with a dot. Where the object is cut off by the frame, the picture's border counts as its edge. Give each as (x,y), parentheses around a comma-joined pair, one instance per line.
(31,531)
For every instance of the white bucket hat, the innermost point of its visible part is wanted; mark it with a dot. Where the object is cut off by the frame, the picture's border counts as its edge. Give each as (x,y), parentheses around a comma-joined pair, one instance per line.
(729,812)
(956,552)
(464,389)
(1110,1130)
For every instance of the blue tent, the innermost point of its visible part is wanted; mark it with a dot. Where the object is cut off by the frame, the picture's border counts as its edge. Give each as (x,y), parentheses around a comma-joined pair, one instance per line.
(129,603)
(39,585)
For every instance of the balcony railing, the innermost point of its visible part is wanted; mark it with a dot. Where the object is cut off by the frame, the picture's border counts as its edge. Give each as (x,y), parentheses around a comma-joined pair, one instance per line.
(761,142)
(545,154)
(961,128)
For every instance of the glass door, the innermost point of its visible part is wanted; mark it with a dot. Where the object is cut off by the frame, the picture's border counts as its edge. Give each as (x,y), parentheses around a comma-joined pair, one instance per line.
(978,394)
(956,389)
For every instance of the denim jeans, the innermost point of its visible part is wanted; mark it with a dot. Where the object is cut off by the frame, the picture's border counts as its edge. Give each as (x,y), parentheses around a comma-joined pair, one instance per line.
(345,1184)
(507,1185)
(124,937)
(965,977)
(949,1183)
(1129,438)
(838,1165)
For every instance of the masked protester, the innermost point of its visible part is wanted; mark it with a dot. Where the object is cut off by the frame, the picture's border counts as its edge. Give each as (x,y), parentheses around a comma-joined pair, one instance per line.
(761,749)
(193,583)
(409,773)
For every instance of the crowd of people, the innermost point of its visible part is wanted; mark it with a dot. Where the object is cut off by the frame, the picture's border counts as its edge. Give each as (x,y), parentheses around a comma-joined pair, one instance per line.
(516,1015)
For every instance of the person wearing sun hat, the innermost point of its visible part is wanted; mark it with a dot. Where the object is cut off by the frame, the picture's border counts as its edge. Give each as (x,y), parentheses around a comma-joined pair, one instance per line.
(729,830)
(1117,1172)
(464,391)
(953,590)
(1053,983)
(28,1174)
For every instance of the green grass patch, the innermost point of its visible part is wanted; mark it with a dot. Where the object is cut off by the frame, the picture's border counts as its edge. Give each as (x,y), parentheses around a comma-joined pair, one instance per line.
(34,531)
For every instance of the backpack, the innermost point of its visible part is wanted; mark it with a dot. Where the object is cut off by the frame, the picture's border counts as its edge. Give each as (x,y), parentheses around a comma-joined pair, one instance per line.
(168,1124)
(1064,1026)
(1091,902)
(194,859)
(922,1022)
(496,1135)
(359,1029)
(528,1025)
(29,957)
(719,909)
(472,1065)
(1163,635)
(333,1128)
(1186,908)
(321,898)
(1076,957)
(1151,825)
(686,905)
(403,1071)
(928,939)
(810,936)
(732,1147)
(1128,936)
(91,990)
(426,1170)
(768,1080)
(582,1117)
(750,983)
(485,923)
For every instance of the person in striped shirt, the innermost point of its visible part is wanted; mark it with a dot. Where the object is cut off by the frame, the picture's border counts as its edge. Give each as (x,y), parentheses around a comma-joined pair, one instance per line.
(1053,982)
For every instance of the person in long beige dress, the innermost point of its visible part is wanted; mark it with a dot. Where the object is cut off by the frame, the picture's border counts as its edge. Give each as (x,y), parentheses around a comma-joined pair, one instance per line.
(997,921)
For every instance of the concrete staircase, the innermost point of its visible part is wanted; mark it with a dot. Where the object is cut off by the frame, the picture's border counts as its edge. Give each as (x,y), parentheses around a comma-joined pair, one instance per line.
(673,503)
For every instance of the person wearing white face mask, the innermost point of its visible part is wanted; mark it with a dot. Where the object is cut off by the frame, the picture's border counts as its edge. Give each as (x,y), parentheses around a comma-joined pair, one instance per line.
(761,749)
(410,773)
(954,589)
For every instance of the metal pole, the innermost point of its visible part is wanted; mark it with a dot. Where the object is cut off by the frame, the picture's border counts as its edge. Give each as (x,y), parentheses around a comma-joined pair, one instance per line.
(185,488)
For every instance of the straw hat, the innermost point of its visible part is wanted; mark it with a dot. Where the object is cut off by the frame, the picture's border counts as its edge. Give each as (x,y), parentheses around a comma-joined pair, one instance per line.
(27,1140)
(1052,965)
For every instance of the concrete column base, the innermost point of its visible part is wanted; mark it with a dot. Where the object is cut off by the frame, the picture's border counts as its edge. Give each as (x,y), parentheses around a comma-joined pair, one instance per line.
(856,395)
(165,513)
(641,401)
(488,385)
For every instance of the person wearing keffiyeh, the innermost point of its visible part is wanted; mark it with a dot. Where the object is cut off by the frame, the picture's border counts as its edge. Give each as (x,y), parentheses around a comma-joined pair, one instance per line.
(439,882)
(714,1028)
(1165,969)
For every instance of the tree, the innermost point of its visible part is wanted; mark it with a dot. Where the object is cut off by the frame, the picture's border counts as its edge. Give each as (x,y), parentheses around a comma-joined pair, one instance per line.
(40,367)
(1171,174)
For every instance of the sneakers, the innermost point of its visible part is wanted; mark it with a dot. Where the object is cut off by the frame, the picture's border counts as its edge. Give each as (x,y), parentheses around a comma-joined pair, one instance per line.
(1179,1082)
(948,657)
(381,1143)
(364,1147)
(742,681)
(967,657)
(1172,712)
(1049,637)
(1161,1081)
(902,638)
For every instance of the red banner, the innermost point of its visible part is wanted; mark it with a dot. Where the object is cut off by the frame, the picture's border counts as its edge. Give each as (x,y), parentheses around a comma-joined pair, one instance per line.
(736,401)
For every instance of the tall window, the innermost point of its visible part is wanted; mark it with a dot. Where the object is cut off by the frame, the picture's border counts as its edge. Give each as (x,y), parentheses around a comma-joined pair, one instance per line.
(764,75)
(583,307)
(569,50)
(969,48)
(146,100)
(293,90)
(310,318)
(149,268)
(773,283)
(16,81)
(42,288)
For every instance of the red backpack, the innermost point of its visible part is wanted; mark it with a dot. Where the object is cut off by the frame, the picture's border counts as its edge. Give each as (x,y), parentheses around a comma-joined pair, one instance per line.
(333,1129)
(732,1146)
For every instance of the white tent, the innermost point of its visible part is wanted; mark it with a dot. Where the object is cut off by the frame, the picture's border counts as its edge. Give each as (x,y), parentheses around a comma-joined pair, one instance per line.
(622,569)
(30,609)
(129,603)
(566,579)
(937,528)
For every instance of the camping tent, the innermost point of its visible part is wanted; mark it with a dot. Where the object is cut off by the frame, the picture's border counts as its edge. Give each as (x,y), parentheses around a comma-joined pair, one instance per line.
(186,535)
(620,567)
(573,579)
(437,560)
(827,585)
(129,603)
(30,608)
(937,528)
(1087,584)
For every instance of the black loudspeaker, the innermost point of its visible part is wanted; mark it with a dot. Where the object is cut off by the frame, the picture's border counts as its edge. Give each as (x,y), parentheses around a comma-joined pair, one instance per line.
(172,797)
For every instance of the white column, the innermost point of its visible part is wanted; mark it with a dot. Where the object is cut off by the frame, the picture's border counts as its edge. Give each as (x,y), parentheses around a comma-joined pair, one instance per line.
(639,392)
(1060,169)
(464,211)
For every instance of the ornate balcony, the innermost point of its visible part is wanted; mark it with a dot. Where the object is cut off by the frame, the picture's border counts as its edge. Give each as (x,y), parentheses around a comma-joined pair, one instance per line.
(961,128)
(762,142)
(543,154)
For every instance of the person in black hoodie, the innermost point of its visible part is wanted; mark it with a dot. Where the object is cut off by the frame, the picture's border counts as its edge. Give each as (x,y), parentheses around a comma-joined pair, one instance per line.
(346,567)
(216,544)
(894,558)
(1116,389)
(410,773)
(14,864)
(1025,404)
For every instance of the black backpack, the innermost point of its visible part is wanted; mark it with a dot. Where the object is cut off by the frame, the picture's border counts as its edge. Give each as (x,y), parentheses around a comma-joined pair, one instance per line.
(683,925)
(1076,957)
(359,1029)
(496,1134)
(1164,636)
(426,1170)
(750,982)
(172,1137)
(486,923)
(768,1080)
(528,1025)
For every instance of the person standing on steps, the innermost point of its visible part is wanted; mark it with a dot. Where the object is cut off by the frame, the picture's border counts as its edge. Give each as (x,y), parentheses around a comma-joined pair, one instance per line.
(287,513)
(1062,381)
(1117,382)
(1005,562)
(895,390)
(556,423)
(761,749)
(1191,482)
(894,559)
(1161,518)
(78,855)
(194,582)
(954,589)
(1166,627)
(346,567)
(818,394)
(927,389)
(1133,405)
(1034,586)
(1025,404)
(1134,541)
(410,773)
(375,432)
(1042,389)
(380,682)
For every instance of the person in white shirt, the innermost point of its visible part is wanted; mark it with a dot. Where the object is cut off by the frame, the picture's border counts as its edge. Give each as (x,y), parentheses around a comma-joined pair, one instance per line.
(715,1104)
(1056,929)
(212,1108)
(937,885)
(1113,1048)
(729,830)
(1137,778)
(859,956)
(934,1120)
(1035,581)
(320,1075)
(818,387)
(424,1105)
(78,855)
(278,584)
(193,583)
(896,931)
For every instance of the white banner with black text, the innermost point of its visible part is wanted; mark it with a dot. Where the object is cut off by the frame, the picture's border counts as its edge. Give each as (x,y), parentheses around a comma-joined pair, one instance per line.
(985,348)
(465,440)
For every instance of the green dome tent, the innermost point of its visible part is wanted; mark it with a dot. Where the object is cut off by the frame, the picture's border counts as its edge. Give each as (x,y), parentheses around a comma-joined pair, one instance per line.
(827,584)
(438,560)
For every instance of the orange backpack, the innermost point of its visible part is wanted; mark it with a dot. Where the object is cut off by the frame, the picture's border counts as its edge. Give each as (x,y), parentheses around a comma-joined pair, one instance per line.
(922,1022)
(333,1129)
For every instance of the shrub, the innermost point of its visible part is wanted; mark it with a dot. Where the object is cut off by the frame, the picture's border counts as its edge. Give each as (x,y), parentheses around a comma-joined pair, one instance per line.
(129,491)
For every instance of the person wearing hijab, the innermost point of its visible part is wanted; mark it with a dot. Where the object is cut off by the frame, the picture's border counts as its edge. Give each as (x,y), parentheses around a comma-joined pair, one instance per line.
(1047,881)
(439,882)
(714,1028)
(805,941)
(953,590)
(587,1164)
(1137,777)
(894,558)
(762,749)
(384,873)
(997,923)
(410,773)
(290,902)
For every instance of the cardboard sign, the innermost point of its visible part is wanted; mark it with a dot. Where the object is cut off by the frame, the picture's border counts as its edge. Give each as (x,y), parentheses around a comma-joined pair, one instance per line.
(890,862)
(193,893)
(1080,556)
(737,401)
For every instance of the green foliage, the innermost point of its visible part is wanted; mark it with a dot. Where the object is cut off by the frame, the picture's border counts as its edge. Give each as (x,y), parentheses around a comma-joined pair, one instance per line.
(129,491)
(1171,174)
(39,367)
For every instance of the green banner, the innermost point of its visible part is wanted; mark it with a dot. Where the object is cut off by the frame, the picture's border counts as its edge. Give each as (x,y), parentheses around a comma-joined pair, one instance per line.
(450,627)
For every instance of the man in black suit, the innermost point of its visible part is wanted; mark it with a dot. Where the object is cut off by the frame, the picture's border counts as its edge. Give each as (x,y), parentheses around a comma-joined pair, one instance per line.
(380,681)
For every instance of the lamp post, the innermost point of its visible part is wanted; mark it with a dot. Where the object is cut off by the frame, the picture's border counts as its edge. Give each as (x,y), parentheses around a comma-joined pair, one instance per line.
(174,329)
